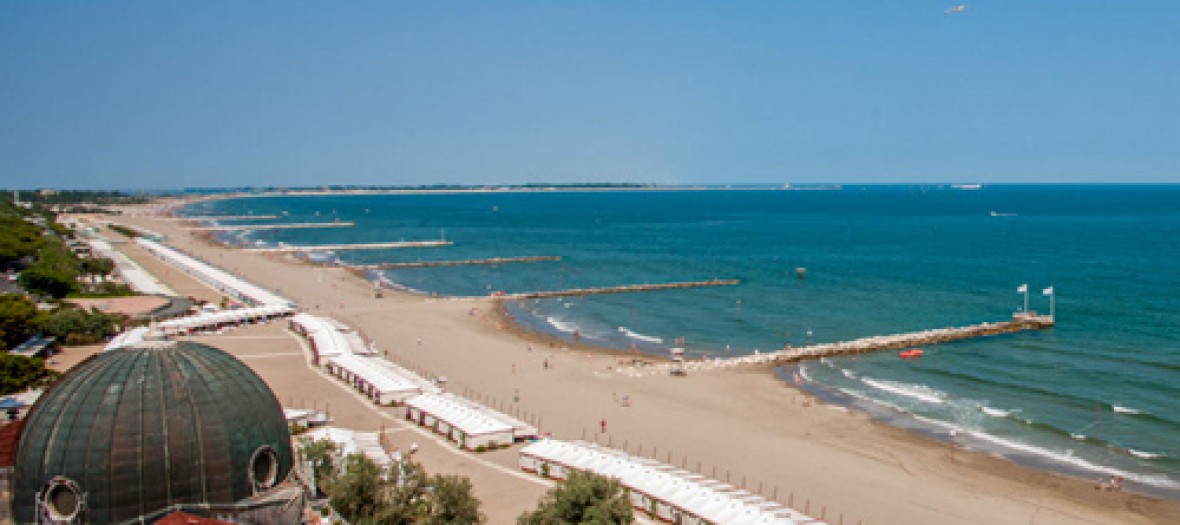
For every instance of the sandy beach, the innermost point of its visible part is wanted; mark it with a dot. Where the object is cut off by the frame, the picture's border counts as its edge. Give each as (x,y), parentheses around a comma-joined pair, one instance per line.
(744,426)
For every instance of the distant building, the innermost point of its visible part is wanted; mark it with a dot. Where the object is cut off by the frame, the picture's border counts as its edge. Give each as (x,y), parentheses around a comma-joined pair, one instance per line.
(136,434)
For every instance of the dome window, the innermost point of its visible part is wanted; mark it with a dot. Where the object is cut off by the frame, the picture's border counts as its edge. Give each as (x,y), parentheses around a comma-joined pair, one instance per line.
(264,468)
(62,499)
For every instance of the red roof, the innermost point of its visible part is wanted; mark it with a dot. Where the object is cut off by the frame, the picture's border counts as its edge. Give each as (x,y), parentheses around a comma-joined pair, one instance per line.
(9,439)
(183,518)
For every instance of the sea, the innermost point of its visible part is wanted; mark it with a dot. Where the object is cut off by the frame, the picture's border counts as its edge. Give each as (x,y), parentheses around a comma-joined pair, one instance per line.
(1096,395)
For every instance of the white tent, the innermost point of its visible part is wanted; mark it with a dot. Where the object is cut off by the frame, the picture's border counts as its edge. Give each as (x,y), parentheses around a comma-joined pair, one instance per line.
(213,276)
(666,492)
(454,417)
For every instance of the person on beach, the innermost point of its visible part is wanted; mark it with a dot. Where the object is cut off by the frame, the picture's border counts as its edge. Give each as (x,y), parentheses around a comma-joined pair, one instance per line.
(1098,484)
(603,422)
(546,365)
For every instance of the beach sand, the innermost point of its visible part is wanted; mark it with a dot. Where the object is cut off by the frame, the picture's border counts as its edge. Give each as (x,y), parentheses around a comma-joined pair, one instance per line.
(743,426)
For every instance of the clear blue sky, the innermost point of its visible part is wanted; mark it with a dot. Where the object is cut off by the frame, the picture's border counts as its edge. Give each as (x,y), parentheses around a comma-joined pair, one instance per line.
(160,94)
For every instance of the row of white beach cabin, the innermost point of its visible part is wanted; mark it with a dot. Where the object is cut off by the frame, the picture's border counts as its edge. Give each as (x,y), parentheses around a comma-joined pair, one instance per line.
(223,319)
(470,424)
(664,491)
(340,351)
(213,276)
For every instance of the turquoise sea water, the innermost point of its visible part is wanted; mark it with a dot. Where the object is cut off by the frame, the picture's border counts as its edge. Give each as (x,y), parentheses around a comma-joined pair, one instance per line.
(1098,394)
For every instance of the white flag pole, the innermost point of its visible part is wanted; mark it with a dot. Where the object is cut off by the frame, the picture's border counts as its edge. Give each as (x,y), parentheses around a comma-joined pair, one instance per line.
(1052,300)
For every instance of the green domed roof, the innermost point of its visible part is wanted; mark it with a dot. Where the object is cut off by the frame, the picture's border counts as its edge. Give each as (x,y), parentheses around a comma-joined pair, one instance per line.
(135,430)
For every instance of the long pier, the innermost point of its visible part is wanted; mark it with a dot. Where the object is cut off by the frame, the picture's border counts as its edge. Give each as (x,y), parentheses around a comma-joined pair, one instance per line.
(287,226)
(1018,323)
(344,247)
(620,289)
(461,262)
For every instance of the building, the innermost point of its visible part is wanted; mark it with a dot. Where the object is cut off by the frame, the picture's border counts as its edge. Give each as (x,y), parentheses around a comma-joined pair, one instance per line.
(138,433)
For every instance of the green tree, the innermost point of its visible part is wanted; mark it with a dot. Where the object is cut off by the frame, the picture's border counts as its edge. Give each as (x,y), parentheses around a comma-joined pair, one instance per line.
(19,373)
(74,326)
(19,319)
(364,494)
(356,493)
(452,501)
(18,239)
(403,498)
(55,273)
(583,499)
(98,265)
(321,455)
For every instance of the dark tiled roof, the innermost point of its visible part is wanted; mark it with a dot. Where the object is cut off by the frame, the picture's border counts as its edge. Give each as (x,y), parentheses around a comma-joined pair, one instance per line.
(183,518)
(141,429)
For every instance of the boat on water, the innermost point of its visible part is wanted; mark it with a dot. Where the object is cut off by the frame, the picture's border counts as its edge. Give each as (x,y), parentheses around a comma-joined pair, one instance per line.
(967,186)
(911,353)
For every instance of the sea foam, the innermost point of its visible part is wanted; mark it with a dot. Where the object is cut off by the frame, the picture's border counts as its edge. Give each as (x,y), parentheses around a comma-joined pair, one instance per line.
(919,392)
(635,335)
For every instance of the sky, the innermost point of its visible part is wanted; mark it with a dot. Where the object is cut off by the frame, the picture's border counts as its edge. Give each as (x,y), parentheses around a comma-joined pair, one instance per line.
(169,94)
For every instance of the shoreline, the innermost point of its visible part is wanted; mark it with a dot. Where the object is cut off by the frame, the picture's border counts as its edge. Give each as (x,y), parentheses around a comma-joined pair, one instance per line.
(913,428)
(922,430)
(976,465)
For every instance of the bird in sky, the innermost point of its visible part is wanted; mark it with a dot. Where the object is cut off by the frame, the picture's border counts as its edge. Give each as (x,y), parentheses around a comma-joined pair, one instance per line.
(956,9)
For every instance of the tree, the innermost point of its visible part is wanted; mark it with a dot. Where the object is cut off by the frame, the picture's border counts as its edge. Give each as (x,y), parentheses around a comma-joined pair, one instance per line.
(402,494)
(19,319)
(583,499)
(452,501)
(356,492)
(321,455)
(18,239)
(55,273)
(74,326)
(98,265)
(19,373)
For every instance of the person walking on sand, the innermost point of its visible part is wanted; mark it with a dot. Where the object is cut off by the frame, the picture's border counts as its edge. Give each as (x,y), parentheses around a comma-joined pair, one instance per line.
(546,366)
(603,425)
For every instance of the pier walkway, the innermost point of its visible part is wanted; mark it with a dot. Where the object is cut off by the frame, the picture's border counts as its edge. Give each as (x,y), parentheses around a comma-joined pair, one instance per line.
(1018,323)
(462,262)
(287,226)
(619,289)
(344,247)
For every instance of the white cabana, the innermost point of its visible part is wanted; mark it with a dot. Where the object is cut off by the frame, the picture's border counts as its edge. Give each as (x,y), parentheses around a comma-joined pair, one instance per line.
(665,492)
(350,442)
(455,418)
(213,276)
(216,320)
(131,272)
(329,337)
(130,337)
(377,382)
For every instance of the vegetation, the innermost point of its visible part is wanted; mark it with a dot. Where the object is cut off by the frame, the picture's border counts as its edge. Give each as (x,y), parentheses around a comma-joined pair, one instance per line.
(97,266)
(55,273)
(583,499)
(403,494)
(19,319)
(74,197)
(19,373)
(75,326)
(18,239)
